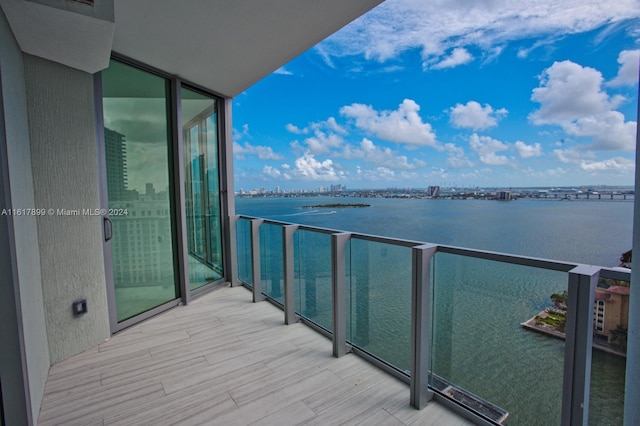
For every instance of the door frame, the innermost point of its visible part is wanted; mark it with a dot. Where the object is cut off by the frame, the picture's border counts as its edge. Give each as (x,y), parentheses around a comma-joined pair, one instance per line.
(176,195)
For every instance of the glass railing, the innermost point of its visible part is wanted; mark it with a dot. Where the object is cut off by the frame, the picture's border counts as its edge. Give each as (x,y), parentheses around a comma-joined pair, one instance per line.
(313,277)
(243,242)
(379,300)
(481,345)
(508,338)
(272,272)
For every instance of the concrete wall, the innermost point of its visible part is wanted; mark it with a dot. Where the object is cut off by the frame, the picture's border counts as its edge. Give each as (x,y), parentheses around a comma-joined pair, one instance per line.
(23,237)
(65,176)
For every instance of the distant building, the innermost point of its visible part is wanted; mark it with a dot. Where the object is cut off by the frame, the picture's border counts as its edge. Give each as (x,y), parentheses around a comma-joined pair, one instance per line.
(433,191)
(610,311)
(504,195)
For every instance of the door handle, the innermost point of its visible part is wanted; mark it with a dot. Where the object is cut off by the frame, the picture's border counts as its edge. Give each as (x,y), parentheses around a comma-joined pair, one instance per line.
(108,228)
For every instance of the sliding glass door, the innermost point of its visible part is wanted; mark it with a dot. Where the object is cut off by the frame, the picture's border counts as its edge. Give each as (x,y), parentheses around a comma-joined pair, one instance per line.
(137,142)
(202,188)
(161,140)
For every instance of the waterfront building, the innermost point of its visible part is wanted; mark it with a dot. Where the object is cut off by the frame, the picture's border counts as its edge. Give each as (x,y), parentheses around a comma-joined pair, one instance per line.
(611,312)
(433,191)
(504,195)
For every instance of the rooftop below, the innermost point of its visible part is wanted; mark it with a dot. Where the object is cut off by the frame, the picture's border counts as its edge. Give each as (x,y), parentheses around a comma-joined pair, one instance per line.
(225,360)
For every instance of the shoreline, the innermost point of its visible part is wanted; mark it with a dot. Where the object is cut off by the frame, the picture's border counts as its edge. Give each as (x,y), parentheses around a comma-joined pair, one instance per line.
(551,331)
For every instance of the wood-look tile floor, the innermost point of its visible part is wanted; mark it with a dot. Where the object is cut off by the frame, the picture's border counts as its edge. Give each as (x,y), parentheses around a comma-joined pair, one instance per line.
(223,360)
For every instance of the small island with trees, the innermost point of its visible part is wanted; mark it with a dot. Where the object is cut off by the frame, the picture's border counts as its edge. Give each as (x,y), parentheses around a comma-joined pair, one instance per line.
(337,205)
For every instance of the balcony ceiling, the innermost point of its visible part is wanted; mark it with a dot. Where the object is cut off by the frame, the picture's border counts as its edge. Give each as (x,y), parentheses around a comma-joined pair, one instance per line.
(226,46)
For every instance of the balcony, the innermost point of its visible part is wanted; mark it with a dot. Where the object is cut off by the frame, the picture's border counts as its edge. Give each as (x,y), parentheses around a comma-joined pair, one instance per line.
(362,313)
(224,360)
(448,321)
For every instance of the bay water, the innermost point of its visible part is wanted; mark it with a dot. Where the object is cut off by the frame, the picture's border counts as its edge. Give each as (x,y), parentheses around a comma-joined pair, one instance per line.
(478,343)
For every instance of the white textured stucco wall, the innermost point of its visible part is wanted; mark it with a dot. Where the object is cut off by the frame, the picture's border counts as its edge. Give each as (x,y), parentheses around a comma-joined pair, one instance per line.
(27,258)
(65,174)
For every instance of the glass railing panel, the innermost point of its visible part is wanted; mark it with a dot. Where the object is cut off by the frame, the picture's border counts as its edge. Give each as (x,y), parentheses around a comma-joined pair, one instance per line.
(313,287)
(379,300)
(482,354)
(271,261)
(608,361)
(243,245)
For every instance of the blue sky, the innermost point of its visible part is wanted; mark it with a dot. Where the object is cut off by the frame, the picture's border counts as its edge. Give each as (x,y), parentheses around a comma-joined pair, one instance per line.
(452,93)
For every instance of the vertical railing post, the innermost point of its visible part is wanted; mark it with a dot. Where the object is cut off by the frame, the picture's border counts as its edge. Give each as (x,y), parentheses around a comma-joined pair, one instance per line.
(256,274)
(288,232)
(338,279)
(578,345)
(421,291)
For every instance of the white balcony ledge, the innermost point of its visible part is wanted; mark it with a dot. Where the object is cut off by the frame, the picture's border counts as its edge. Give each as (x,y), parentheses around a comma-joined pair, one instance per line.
(224,360)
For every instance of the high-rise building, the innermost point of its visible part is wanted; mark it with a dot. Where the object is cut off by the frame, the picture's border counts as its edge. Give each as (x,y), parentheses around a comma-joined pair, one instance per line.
(504,195)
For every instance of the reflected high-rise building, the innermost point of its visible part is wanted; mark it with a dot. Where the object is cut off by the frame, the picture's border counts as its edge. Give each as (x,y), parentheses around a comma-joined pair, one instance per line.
(116,155)
(141,248)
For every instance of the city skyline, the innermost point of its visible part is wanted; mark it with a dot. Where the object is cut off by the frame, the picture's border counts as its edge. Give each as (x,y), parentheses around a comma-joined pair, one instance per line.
(412,95)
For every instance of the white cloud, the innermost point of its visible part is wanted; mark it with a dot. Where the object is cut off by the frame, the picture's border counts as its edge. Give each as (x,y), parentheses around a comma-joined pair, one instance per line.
(572,155)
(475,116)
(486,148)
(292,128)
(619,164)
(271,172)
(523,52)
(569,91)
(325,55)
(628,72)
(239,134)
(571,96)
(403,125)
(527,151)
(308,168)
(330,124)
(327,135)
(262,152)
(459,56)
(438,26)
(456,159)
(385,173)
(333,125)
(377,174)
(282,71)
(609,131)
(384,157)
(322,142)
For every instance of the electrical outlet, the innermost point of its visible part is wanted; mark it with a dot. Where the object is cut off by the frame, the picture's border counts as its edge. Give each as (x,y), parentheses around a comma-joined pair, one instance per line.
(79,307)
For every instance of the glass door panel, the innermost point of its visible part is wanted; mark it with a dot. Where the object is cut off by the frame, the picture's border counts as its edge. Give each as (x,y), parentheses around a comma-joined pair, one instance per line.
(137,135)
(202,188)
